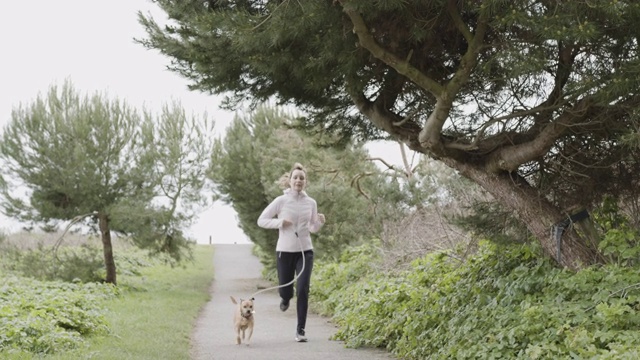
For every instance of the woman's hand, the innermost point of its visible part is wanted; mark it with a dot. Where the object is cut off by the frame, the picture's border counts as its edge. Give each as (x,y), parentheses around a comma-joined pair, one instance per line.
(321,218)
(286,223)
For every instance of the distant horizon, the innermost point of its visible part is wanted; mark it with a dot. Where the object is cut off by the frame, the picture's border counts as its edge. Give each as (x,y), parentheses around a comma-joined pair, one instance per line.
(73,232)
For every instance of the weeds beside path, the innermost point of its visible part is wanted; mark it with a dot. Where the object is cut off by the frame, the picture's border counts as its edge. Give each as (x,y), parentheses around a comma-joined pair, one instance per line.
(151,319)
(237,273)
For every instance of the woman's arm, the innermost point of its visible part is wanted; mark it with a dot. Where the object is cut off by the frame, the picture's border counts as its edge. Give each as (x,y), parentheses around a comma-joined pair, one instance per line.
(268,218)
(317,220)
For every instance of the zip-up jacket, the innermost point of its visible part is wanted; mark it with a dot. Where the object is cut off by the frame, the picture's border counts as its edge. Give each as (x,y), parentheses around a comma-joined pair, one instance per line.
(301,210)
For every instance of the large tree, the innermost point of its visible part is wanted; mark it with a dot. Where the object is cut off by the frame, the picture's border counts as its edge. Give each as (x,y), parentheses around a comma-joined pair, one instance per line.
(69,157)
(529,99)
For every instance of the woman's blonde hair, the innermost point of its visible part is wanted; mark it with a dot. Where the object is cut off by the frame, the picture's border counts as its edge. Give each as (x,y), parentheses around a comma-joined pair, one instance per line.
(286,177)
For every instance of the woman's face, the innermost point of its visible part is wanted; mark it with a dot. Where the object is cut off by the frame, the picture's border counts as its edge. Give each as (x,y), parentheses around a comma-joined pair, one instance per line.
(298,180)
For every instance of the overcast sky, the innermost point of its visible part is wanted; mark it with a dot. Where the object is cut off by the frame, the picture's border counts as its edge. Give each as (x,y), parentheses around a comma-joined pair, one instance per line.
(90,43)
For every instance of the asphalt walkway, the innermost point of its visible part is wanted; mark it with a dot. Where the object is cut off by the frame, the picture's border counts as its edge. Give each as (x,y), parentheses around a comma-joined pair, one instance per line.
(238,274)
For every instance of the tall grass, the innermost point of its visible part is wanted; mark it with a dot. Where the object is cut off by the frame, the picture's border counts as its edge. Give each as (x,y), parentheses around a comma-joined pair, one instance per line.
(154,316)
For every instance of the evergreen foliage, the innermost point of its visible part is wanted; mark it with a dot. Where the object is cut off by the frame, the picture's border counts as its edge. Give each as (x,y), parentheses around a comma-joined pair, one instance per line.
(535,101)
(489,220)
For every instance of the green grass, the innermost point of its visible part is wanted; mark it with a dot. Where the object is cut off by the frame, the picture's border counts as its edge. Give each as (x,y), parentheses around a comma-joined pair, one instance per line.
(154,316)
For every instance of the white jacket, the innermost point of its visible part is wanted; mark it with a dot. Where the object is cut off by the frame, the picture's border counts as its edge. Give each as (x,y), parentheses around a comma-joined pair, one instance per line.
(298,208)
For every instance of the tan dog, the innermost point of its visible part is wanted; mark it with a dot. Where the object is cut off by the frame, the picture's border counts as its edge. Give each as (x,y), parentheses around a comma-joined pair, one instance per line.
(243,319)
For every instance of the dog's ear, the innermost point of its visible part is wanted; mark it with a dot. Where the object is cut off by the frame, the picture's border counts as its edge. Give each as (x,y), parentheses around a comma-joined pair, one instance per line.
(233,300)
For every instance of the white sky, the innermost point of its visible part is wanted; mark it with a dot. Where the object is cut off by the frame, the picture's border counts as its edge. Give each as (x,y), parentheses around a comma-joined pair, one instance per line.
(90,42)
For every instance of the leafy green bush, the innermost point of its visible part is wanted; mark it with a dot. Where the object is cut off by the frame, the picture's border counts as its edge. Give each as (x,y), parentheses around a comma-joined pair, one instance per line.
(330,278)
(621,240)
(45,317)
(505,302)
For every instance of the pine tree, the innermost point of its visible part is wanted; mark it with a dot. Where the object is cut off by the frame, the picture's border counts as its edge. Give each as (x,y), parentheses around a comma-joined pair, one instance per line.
(67,157)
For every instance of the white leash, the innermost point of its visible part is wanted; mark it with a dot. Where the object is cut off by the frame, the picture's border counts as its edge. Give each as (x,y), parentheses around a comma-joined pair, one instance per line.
(294,278)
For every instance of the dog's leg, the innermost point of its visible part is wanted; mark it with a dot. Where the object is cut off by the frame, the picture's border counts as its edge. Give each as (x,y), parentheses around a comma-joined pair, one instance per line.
(249,336)
(238,342)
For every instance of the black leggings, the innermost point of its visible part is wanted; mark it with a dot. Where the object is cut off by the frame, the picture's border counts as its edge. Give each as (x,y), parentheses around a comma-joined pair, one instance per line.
(288,264)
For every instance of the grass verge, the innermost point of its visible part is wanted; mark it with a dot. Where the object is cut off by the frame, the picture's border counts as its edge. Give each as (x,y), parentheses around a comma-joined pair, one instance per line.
(154,316)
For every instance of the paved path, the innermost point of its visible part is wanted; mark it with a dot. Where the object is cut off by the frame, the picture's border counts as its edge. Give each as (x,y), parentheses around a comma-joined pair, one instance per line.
(237,273)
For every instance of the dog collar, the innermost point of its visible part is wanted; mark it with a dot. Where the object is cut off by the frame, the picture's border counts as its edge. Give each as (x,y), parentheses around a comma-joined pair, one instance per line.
(247,316)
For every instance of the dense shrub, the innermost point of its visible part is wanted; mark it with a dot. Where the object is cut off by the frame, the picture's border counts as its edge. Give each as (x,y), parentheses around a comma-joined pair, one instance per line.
(74,263)
(505,302)
(80,263)
(51,300)
(45,317)
(354,263)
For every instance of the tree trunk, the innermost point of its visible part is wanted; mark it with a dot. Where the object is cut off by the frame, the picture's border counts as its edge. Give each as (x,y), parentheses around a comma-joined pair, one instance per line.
(535,211)
(107,248)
